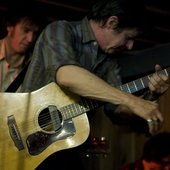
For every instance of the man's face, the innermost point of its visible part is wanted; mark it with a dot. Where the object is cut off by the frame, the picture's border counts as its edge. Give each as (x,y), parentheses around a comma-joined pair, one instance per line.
(112,39)
(115,41)
(21,36)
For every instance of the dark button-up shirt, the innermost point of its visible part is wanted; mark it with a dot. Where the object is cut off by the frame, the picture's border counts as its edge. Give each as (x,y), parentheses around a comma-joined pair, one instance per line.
(68,43)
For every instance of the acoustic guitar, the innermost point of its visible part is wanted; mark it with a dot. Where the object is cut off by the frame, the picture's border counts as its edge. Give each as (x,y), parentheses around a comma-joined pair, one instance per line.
(37,124)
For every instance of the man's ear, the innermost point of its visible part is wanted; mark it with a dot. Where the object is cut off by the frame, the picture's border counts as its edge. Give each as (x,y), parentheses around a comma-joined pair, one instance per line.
(112,22)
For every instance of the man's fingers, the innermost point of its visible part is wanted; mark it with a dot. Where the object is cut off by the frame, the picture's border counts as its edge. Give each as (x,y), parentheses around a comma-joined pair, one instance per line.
(154,126)
(158,67)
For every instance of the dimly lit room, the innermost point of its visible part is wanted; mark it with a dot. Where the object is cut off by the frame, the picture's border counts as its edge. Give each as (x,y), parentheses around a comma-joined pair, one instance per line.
(84,88)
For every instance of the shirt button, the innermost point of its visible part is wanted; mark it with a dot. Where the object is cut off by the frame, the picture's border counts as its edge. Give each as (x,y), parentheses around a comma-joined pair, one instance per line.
(95,43)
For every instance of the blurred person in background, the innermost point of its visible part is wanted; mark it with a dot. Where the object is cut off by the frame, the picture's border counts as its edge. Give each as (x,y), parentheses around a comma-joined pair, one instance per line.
(22,26)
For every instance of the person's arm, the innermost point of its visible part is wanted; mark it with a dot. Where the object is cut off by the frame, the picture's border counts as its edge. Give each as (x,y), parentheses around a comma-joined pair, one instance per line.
(86,84)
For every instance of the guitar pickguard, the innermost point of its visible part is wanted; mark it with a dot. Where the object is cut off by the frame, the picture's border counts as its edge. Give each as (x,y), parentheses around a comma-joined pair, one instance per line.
(39,141)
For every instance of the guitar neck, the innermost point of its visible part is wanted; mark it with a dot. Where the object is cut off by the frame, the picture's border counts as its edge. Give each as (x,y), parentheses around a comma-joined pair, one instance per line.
(86,105)
(141,83)
(79,108)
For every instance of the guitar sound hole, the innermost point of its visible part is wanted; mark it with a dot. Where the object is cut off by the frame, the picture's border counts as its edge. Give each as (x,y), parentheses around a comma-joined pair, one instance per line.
(50,119)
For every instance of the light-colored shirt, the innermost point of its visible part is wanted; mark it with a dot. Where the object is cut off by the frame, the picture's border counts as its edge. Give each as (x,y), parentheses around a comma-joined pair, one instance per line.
(7,73)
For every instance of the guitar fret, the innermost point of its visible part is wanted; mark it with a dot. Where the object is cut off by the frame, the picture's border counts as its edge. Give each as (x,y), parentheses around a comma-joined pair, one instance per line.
(142,83)
(67,110)
(63,110)
(139,84)
(148,77)
(76,109)
(128,88)
(132,87)
(135,85)
(72,110)
(166,72)
(79,108)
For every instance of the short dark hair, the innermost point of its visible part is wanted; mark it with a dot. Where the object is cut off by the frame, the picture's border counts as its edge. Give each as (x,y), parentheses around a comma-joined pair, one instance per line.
(131,13)
(27,11)
(157,147)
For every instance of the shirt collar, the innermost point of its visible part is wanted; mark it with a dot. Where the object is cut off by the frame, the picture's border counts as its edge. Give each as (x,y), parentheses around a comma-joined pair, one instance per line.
(87,31)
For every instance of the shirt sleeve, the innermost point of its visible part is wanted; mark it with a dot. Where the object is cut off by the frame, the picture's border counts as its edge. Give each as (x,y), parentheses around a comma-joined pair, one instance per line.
(54,48)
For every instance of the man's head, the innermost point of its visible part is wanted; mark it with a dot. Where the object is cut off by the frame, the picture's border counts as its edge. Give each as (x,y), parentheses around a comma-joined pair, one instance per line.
(119,21)
(23,25)
(156,152)
(130,14)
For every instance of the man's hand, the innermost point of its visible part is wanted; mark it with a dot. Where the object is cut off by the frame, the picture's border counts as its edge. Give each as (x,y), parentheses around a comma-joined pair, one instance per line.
(148,110)
(159,83)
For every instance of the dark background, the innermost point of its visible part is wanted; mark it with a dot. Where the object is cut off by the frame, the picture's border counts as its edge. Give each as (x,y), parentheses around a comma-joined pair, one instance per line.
(135,64)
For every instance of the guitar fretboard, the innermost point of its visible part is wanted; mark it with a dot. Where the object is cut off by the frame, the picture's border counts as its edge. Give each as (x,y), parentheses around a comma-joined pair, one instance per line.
(79,108)
(140,83)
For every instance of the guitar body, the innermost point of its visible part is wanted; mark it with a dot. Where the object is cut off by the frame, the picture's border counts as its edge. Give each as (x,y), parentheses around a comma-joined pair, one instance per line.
(24,142)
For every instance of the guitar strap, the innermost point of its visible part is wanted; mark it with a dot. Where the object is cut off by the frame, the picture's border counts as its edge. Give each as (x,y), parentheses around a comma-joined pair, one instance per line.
(18,80)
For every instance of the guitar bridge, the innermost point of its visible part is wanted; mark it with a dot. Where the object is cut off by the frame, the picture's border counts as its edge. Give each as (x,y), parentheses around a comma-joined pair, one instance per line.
(14,133)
